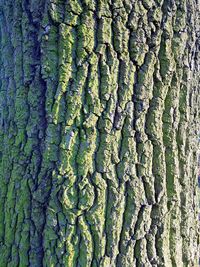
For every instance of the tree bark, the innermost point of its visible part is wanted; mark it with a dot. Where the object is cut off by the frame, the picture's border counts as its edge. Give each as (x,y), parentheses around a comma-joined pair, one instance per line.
(99,117)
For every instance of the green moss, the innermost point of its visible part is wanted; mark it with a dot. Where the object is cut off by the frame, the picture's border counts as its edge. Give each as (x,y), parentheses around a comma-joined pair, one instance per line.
(86,194)
(126,83)
(115,208)
(105,30)
(56,11)
(85,153)
(103,159)
(85,36)
(120,37)
(96,216)
(86,244)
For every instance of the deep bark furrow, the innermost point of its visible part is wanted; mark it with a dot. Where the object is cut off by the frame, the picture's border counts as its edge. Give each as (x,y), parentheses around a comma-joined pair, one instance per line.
(98,124)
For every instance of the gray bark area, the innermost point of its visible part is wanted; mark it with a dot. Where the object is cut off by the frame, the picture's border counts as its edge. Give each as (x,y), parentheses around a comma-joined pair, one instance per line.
(99,120)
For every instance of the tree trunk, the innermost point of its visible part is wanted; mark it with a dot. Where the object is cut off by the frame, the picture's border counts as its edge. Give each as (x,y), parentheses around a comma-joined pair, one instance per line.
(98,127)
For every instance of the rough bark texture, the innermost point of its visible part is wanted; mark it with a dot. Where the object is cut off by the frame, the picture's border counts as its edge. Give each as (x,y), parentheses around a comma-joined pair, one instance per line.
(98,133)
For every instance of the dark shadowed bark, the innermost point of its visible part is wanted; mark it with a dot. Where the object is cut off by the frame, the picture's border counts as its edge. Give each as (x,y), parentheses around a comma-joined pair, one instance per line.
(99,112)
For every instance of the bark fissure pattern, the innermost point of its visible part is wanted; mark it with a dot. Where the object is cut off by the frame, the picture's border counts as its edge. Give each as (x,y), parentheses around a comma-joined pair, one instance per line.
(99,112)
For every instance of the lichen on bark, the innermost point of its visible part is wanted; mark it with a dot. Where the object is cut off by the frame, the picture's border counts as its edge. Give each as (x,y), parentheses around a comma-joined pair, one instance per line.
(99,113)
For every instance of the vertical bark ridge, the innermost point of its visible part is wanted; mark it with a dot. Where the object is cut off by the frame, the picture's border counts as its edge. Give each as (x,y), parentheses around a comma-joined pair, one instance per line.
(99,109)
